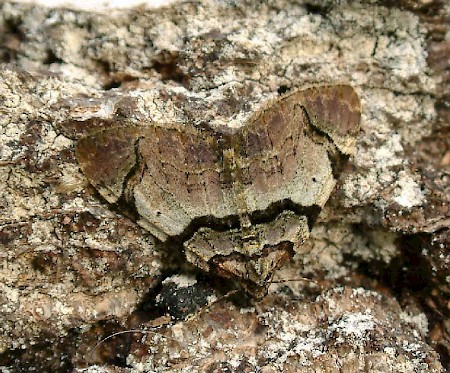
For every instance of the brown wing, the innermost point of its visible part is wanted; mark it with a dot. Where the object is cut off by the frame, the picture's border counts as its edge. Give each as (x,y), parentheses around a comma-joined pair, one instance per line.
(334,110)
(106,158)
(184,179)
(182,174)
(284,151)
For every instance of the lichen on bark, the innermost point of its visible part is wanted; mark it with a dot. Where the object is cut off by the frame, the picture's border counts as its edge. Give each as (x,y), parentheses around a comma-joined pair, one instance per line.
(74,270)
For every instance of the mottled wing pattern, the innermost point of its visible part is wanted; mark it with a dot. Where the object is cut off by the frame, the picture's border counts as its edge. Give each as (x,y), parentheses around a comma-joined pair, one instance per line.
(284,151)
(177,174)
(106,158)
(334,110)
(184,179)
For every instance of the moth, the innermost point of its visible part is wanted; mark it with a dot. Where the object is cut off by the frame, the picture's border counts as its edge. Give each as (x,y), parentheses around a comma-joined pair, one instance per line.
(240,201)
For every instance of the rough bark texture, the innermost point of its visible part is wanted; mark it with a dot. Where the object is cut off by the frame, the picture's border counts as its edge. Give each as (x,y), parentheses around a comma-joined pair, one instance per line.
(75,270)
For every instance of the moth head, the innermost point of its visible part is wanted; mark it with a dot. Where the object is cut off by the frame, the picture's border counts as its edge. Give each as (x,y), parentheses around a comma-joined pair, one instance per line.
(250,256)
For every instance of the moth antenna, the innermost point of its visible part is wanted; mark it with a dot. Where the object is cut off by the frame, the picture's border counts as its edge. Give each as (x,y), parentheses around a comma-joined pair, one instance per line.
(293,280)
(142,331)
(209,305)
(297,279)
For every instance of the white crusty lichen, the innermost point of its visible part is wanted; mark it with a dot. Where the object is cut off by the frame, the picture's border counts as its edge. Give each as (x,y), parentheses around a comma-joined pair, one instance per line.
(407,192)
(181,280)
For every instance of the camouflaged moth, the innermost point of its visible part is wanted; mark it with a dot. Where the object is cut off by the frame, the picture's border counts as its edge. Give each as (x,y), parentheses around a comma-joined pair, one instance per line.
(239,200)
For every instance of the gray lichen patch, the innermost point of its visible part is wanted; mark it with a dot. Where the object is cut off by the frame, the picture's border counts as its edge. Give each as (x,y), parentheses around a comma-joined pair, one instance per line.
(391,126)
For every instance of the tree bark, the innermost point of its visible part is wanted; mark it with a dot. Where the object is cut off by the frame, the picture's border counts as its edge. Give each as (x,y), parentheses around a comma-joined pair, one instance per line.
(75,269)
